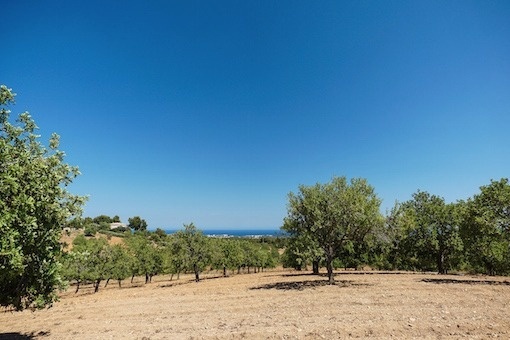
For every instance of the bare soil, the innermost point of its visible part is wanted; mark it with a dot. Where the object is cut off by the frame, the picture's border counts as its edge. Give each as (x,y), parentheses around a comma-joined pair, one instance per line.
(276,305)
(67,239)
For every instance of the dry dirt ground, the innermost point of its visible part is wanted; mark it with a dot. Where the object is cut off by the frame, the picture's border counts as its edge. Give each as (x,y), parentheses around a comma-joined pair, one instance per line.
(276,305)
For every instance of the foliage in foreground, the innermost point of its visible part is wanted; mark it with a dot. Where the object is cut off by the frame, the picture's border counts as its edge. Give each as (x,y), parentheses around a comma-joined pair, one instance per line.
(34,206)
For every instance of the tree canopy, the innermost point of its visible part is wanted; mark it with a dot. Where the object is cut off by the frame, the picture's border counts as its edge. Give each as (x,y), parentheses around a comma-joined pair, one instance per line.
(137,223)
(486,228)
(333,215)
(195,247)
(427,230)
(34,206)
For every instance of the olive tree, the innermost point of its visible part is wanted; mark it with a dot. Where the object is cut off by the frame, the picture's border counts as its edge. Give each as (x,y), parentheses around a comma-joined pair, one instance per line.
(426,231)
(486,228)
(333,214)
(226,254)
(98,261)
(34,206)
(175,257)
(76,266)
(147,258)
(196,248)
(119,267)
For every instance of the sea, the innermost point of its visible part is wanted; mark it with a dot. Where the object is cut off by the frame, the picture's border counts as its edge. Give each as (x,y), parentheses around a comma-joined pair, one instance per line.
(246,233)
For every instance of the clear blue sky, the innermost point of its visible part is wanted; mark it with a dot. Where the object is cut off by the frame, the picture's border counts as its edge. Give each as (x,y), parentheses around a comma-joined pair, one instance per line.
(212,112)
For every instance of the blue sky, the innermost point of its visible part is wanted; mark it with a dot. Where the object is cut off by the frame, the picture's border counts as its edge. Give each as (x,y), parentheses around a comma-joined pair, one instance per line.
(212,112)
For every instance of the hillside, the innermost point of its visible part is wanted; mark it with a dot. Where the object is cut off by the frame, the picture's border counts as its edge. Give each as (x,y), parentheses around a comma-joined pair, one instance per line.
(67,239)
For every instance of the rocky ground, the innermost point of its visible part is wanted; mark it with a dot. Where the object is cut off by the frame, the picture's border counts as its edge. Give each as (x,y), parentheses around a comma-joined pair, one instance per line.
(276,305)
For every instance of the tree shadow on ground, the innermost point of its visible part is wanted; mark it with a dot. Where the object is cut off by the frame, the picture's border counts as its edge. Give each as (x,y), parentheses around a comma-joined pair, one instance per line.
(22,336)
(179,282)
(299,274)
(307,284)
(347,272)
(377,272)
(302,274)
(469,282)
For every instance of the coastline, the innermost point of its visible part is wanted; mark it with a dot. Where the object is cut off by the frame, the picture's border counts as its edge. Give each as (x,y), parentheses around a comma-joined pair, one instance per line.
(230,233)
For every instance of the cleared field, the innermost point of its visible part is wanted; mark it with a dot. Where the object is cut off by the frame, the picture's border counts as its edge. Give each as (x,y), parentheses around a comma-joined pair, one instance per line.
(276,305)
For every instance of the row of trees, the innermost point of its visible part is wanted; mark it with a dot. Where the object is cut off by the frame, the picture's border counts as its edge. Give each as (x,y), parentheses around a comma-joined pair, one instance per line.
(147,254)
(471,235)
(339,224)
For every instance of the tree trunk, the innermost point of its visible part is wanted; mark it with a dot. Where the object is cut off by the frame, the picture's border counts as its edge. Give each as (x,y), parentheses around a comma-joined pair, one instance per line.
(224,271)
(440,264)
(331,278)
(132,277)
(146,278)
(329,266)
(239,270)
(490,269)
(120,283)
(77,286)
(106,284)
(315,267)
(171,276)
(96,286)
(197,273)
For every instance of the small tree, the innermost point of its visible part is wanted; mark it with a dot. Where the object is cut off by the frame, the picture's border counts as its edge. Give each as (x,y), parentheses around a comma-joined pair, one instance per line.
(196,249)
(91,229)
(34,207)
(267,256)
(90,260)
(120,264)
(75,266)
(98,260)
(227,254)
(250,255)
(102,219)
(148,260)
(175,261)
(137,224)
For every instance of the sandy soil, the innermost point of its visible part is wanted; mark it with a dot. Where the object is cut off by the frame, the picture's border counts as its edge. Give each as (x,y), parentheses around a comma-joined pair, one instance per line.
(276,305)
